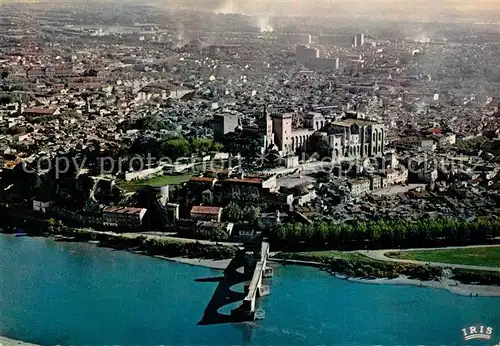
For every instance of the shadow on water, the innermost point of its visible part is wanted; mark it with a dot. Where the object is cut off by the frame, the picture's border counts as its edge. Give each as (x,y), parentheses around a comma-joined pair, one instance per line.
(215,279)
(223,294)
(66,240)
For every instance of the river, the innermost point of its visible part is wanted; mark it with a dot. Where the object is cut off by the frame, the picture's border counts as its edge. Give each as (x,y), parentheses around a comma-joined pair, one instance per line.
(68,293)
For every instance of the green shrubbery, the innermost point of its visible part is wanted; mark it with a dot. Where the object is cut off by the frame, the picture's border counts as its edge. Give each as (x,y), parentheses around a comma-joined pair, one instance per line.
(173,147)
(357,265)
(476,277)
(151,246)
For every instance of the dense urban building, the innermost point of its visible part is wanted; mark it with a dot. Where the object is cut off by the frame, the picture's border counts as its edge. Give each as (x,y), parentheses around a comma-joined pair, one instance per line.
(237,119)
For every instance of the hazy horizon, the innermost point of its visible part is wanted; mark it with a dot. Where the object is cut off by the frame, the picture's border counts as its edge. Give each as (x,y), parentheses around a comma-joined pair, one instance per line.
(395,9)
(424,10)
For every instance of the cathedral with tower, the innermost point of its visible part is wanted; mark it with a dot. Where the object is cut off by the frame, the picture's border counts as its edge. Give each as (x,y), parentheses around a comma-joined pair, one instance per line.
(289,133)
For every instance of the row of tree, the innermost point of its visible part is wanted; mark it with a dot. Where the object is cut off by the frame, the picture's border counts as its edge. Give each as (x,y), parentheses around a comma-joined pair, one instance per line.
(173,148)
(152,246)
(384,234)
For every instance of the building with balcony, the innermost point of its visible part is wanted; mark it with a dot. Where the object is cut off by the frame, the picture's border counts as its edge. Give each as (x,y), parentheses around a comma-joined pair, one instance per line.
(123,217)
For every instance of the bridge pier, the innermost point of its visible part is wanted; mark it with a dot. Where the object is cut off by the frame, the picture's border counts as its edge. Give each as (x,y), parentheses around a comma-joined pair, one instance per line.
(244,312)
(264,290)
(267,272)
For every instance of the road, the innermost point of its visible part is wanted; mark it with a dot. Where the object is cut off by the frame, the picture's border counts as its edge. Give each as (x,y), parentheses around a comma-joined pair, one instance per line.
(379,255)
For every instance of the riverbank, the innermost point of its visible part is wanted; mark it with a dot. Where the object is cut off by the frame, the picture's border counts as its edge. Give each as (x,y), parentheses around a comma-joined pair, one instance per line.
(351,264)
(151,245)
(97,292)
(354,267)
(199,262)
(4,341)
(186,251)
(450,285)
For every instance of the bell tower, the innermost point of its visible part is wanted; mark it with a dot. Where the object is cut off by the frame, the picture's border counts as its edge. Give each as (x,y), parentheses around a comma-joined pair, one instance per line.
(282,128)
(266,127)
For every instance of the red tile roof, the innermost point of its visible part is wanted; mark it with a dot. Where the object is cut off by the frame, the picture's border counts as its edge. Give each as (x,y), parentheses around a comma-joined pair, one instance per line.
(203,179)
(206,210)
(245,181)
(122,210)
(44,111)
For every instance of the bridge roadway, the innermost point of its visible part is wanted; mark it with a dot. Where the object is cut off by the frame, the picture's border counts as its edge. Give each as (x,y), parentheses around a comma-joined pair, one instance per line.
(256,288)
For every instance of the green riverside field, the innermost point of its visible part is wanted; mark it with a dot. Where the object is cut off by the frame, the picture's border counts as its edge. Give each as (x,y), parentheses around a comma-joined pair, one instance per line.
(483,256)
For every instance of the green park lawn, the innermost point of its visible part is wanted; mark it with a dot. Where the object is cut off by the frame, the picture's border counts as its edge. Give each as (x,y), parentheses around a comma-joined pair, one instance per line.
(484,256)
(135,185)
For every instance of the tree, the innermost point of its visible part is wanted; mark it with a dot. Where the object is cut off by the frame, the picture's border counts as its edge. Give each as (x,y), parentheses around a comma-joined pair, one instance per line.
(144,144)
(176,148)
(17,130)
(233,213)
(61,227)
(251,214)
(219,234)
(217,146)
(204,145)
(52,224)
(201,145)
(4,99)
(153,123)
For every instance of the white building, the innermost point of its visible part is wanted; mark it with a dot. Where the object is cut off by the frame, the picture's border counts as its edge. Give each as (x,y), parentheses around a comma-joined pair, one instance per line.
(428,145)
(359,187)
(397,176)
(354,138)
(41,206)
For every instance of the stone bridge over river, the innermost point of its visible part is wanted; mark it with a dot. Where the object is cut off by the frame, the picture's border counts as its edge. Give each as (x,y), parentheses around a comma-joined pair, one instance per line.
(247,266)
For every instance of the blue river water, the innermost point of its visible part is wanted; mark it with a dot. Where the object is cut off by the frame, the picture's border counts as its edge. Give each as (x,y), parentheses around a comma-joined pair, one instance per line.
(66,293)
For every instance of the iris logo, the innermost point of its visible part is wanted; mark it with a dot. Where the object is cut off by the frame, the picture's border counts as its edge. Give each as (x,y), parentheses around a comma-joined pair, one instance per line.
(476,333)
